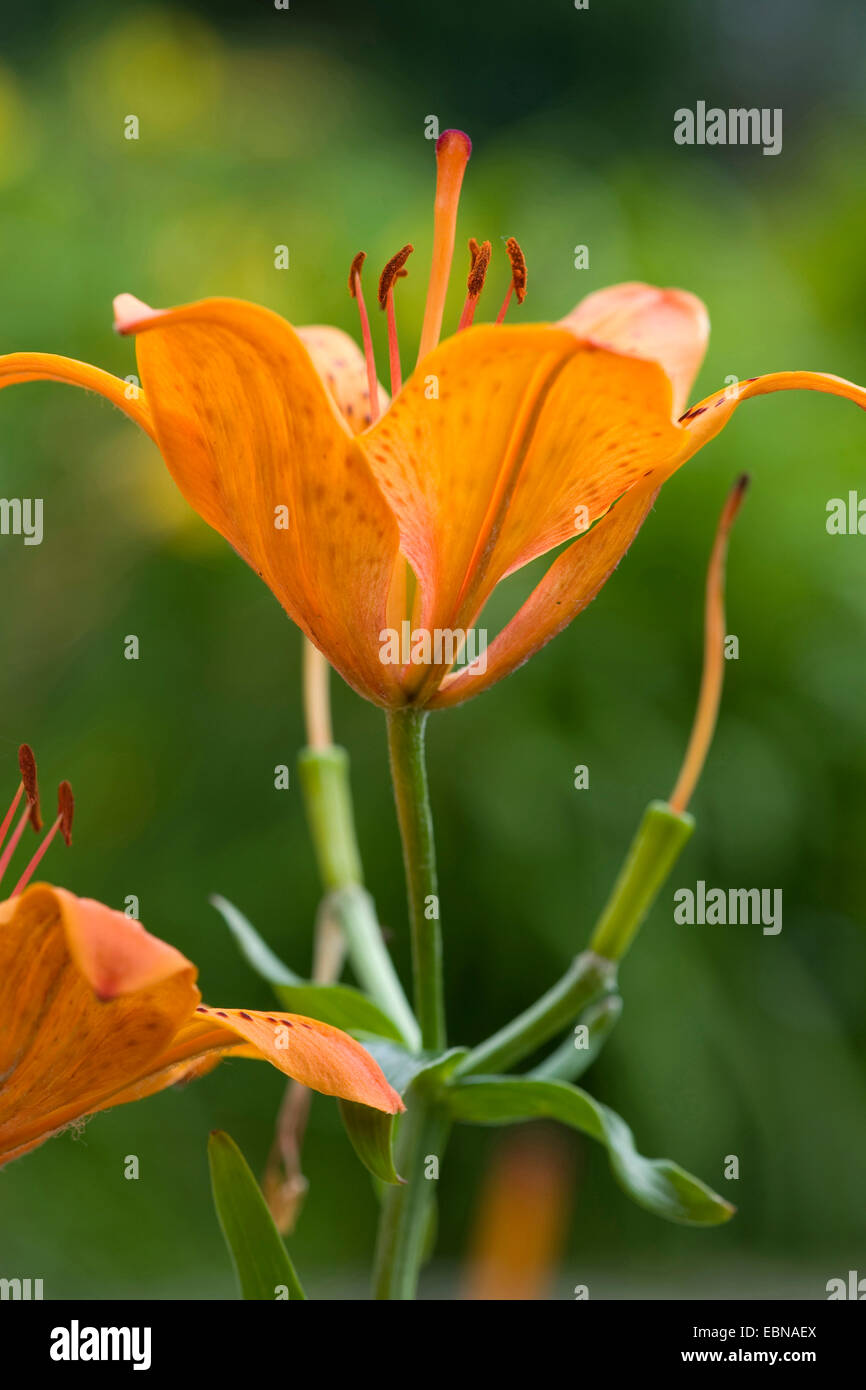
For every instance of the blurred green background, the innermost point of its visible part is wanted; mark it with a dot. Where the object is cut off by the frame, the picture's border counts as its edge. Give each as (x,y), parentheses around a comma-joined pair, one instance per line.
(305,127)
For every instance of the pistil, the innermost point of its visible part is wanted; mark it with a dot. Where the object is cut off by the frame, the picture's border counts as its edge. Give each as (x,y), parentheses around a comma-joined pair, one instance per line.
(453,149)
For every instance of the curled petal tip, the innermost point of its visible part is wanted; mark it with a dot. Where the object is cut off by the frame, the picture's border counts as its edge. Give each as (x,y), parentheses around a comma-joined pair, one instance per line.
(129,311)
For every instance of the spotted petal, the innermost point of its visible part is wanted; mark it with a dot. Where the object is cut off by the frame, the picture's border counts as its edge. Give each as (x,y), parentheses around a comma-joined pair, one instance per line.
(256,444)
(97,1012)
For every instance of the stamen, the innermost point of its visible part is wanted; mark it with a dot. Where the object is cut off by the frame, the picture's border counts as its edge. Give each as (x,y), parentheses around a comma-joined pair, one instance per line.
(7,819)
(63,823)
(518,277)
(369,357)
(453,149)
(475,283)
(13,843)
(27,764)
(712,678)
(390,275)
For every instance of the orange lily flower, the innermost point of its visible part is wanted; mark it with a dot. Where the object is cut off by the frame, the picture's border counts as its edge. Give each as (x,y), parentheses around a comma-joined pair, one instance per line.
(97,1012)
(504,443)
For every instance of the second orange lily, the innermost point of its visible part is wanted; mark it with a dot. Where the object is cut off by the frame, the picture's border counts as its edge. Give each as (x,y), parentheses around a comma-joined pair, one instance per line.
(97,1012)
(504,443)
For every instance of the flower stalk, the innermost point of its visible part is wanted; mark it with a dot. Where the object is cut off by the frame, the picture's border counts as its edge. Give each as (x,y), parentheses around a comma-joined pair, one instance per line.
(324,776)
(408,1210)
(406,729)
(655,849)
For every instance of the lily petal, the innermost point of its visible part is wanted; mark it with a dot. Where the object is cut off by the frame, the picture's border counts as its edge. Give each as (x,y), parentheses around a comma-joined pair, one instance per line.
(314,1053)
(576,576)
(702,422)
(667,326)
(248,429)
(97,1012)
(17,367)
(342,367)
(529,426)
(63,1053)
(570,584)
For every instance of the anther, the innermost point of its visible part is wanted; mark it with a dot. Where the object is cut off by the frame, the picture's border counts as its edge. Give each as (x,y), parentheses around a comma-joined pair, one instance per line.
(27,764)
(480,260)
(369,356)
(29,788)
(393,272)
(66,809)
(518,277)
(355,273)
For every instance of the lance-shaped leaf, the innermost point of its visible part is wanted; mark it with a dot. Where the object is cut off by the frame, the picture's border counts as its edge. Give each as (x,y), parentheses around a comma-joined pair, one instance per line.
(371,1131)
(260,1258)
(578,1051)
(655,1183)
(339,1005)
(402,1067)
(372,1134)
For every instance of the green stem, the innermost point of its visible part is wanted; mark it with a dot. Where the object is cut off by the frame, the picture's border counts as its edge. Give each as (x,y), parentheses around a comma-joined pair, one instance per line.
(328,799)
(324,776)
(656,846)
(654,850)
(587,978)
(409,775)
(408,1210)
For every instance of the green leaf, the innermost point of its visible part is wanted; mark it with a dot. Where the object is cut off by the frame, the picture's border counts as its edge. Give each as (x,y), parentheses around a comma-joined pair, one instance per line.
(402,1067)
(657,1184)
(339,1005)
(256,952)
(371,1133)
(260,1258)
(567,1062)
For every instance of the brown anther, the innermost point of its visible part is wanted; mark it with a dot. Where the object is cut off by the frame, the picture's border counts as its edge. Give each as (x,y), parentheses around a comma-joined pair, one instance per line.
(478,268)
(393,271)
(27,764)
(65,809)
(355,270)
(518,268)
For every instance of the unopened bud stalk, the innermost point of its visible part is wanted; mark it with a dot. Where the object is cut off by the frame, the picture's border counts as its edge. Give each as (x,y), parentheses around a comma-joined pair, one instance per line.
(655,849)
